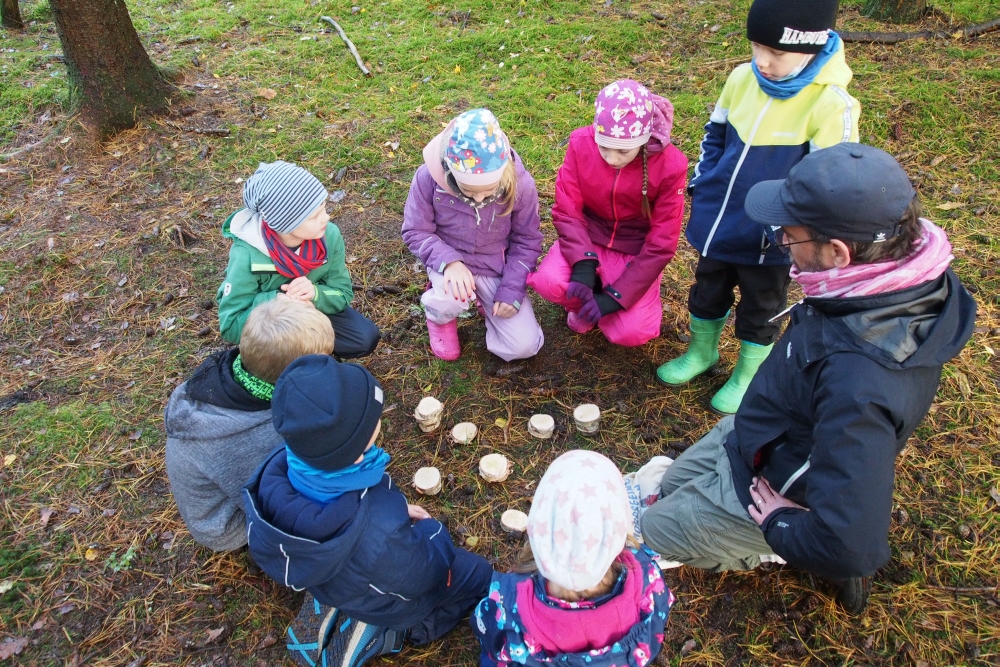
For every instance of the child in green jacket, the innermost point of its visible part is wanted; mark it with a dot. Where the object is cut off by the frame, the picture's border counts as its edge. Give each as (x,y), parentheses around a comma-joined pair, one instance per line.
(285,246)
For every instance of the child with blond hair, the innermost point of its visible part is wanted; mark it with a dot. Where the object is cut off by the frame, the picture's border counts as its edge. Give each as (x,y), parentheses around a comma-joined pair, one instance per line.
(472,219)
(584,593)
(219,421)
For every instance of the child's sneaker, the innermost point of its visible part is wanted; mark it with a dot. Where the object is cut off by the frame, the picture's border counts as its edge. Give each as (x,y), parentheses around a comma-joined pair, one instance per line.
(444,340)
(306,632)
(355,642)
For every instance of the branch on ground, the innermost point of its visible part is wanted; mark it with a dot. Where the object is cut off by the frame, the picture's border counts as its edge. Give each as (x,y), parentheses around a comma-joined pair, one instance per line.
(895,37)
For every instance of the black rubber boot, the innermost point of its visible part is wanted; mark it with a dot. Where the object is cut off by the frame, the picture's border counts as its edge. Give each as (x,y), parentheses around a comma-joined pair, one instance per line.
(854,594)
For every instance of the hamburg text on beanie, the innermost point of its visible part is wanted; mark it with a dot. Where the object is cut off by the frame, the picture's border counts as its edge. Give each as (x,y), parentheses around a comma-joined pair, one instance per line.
(579,520)
(283,194)
(326,411)
(476,150)
(801,26)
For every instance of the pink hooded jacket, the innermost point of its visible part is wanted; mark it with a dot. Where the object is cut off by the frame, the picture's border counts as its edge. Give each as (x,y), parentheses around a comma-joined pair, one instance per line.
(597,204)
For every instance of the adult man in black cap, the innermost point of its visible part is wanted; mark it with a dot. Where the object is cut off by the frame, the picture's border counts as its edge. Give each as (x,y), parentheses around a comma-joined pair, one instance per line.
(805,468)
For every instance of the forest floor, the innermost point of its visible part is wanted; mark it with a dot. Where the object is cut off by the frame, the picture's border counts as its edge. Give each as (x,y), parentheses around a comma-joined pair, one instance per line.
(110,257)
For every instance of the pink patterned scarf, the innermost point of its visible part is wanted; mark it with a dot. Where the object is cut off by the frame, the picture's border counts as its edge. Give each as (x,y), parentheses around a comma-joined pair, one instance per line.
(929,260)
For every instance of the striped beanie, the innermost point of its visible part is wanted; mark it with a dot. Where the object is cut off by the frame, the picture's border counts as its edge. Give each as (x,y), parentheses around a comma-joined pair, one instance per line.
(579,520)
(283,194)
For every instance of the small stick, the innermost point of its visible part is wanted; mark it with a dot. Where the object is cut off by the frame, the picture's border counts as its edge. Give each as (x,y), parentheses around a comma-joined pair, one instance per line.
(211,131)
(350,44)
(464,21)
(975,589)
(896,37)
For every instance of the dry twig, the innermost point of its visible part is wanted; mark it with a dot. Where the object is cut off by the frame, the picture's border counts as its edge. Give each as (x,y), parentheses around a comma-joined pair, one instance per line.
(350,44)
(896,37)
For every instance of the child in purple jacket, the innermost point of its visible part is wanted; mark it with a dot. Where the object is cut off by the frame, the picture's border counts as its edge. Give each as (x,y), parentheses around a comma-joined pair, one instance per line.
(472,219)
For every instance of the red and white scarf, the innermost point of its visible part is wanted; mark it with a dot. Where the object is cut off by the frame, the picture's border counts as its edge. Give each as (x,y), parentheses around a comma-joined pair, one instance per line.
(930,259)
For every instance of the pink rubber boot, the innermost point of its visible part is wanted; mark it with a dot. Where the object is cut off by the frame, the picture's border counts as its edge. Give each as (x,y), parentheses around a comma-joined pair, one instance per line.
(444,340)
(576,325)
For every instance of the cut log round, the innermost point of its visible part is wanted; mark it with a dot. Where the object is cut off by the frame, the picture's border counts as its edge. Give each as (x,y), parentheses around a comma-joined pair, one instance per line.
(514,521)
(494,467)
(427,481)
(541,426)
(464,433)
(428,414)
(587,418)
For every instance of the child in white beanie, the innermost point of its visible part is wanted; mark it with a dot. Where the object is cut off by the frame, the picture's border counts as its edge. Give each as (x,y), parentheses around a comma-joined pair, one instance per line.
(583,593)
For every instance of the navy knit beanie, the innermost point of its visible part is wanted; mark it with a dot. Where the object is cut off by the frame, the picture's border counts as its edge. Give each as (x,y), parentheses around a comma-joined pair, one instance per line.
(283,194)
(792,25)
(326,411)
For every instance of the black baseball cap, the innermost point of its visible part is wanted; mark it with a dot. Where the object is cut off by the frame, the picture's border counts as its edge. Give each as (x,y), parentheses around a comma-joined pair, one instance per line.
(849,191)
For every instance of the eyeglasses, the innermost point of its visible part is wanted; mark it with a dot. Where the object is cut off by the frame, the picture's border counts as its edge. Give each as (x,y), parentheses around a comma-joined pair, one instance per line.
(783,245)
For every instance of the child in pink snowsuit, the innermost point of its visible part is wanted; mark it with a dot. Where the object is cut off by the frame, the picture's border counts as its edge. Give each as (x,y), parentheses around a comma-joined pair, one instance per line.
(472,219)
(618,209)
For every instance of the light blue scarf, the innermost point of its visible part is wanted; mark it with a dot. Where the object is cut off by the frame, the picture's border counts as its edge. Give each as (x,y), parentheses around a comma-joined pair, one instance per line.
(325,486)
(787,88)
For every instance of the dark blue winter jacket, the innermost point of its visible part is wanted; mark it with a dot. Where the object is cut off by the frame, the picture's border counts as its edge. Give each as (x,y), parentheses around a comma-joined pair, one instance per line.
(831,408)
(359,553)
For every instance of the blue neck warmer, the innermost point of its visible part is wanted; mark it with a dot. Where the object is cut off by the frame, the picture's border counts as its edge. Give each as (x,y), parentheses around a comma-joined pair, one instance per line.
(783,90)
(325,486)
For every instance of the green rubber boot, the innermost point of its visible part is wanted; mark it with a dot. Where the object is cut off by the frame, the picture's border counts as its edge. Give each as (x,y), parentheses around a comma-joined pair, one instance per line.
(727,400)
(702,354)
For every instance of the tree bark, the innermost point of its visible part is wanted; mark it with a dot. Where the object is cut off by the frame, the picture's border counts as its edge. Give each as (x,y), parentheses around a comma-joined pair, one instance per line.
(11,15)
(895,11)
(110,74)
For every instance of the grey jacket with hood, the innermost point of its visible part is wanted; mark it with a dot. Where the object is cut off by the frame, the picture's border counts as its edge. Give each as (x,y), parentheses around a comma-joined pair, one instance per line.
(217,436)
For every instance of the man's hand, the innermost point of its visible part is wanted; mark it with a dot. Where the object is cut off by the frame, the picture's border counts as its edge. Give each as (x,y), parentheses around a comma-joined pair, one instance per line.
(766,500)
(503,310)
(300,289)
(417,513)
(459,281)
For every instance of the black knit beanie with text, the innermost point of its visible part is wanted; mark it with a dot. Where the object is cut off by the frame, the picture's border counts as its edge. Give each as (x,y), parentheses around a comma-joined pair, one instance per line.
(792,25)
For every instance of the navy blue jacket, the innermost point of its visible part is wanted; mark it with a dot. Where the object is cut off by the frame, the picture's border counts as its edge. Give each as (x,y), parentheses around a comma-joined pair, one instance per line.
(359,553)
(832,406)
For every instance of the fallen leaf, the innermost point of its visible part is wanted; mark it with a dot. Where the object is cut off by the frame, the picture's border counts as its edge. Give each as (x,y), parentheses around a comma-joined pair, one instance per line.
(51,243)
(108,512)
(66,608)
(995,495)
(501,422)
(46,513)
(471,541)
(267,642)
(963,384)
(458,69)
(12,646)
(6,585)
(951,205)
(91,554)
(938,160)
(214,634)
(136,435)
(689,646)
(40,623)
(10,458)
(267,93)
(989,350)
(168,540)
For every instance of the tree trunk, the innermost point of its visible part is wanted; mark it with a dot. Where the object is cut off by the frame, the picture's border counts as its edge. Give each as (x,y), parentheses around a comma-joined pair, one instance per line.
(11,15)
(895,11)
(110,74)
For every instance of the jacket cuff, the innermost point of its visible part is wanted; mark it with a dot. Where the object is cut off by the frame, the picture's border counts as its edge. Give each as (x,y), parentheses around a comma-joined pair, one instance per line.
(510,295)
(584,272)
(607,304)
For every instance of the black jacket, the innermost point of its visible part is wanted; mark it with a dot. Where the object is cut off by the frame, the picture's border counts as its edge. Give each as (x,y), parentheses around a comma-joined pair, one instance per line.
(832,406)
(359,553)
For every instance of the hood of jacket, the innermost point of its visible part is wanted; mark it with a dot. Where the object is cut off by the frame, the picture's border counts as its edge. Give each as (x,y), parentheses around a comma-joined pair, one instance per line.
(923,326)
(326,536)
(212,384)
(835,72)
(246,227)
